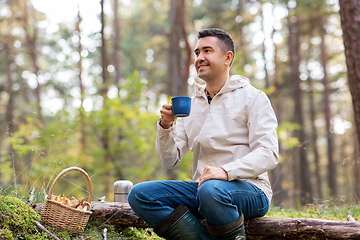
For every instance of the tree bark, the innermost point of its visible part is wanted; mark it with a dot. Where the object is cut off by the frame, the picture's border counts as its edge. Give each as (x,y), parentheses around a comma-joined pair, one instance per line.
(116,45)
(241,44)
(350,23)
(305,193)
(103,91)
(10,82)
(267,82)
(82,94)
(10,105)
(276,174)
(179,58)
(314,136)
(330,142)
(121,215)
(104,88)
(356,156)
(31,40)
(314,132)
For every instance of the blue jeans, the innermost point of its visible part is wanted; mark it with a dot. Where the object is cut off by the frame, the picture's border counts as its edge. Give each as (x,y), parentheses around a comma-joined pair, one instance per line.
(218,201)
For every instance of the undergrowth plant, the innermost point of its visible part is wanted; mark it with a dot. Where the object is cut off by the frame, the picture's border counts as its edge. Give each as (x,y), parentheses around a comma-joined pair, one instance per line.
(333,209)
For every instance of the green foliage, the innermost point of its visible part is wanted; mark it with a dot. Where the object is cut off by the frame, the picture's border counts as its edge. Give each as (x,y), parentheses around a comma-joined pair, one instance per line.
(127,122)
(284,131)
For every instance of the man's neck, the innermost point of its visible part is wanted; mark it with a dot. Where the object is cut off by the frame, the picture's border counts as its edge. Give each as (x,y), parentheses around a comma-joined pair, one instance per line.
(214,87)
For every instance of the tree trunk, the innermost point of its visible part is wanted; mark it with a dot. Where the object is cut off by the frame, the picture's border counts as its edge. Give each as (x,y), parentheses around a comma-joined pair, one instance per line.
(314,137)
(179,59)
(104,87)
(314,133)
(116,45)
(350,15)
(105,132)
(10,82)
(10,105)
(356,170)
(267,83)
(82,94)
(277,173)
(330,142)
(241,48)
(31,40)
(121,215)
(305,193)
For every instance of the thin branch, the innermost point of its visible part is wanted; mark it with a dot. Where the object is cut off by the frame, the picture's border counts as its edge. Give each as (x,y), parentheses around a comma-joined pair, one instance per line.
(42,228)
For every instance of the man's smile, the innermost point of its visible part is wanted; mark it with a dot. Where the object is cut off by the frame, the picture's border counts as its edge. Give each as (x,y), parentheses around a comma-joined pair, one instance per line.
(202,65)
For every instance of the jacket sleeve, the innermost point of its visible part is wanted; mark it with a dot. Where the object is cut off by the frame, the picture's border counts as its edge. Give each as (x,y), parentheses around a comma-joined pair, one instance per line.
(171,144)
(263,142)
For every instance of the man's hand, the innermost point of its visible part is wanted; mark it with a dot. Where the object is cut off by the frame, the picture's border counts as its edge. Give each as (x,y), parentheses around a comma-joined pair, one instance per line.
(167,116)
(212,173)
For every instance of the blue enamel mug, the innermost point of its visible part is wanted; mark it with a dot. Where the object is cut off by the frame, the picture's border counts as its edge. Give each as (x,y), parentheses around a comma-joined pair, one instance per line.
(181,106)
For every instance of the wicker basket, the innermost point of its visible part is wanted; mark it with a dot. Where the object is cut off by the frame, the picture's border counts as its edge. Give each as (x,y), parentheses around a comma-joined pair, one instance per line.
(62,216)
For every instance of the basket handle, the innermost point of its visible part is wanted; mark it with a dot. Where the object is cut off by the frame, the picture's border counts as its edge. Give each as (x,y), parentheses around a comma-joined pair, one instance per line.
(68,170)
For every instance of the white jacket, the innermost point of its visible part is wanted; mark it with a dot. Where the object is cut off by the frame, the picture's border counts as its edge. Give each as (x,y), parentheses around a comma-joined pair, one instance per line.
(237,132)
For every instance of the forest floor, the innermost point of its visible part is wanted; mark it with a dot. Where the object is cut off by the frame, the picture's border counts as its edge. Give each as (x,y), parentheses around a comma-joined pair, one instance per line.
(18,220)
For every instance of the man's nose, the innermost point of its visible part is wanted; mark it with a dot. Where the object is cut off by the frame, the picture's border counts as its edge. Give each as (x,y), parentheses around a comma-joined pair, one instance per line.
(199,58)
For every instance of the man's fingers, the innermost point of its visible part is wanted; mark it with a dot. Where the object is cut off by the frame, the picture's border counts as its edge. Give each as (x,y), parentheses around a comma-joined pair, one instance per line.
(204,176)
(166,111)
(167,106)
(167,116)
(201,182)
(212,173)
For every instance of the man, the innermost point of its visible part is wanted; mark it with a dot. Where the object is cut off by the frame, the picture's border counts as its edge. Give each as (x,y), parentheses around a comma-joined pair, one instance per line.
(232,132)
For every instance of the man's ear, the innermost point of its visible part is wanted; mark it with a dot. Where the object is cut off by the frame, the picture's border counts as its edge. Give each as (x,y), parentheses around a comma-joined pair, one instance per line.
(229,57)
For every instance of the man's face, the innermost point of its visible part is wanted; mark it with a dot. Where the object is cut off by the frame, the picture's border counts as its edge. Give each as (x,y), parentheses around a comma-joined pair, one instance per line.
(210,61)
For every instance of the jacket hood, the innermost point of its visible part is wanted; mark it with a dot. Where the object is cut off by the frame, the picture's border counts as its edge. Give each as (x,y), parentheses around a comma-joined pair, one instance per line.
(234,82)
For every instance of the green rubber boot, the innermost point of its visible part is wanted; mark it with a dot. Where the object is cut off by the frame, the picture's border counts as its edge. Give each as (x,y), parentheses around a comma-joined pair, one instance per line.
(181,224)
(231,231)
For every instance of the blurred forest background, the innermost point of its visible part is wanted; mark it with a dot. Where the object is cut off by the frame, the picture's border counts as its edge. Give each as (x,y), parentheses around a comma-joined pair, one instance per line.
(86,91)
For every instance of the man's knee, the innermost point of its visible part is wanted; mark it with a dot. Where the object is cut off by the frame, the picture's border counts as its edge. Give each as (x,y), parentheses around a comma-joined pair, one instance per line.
(137,192)
(132,194)
(209,191)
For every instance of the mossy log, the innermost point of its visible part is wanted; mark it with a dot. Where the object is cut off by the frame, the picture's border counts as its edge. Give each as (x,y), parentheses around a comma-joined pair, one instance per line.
(121,215)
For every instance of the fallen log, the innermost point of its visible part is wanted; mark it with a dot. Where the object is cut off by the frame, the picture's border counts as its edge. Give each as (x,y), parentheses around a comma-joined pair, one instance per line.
(117,214)
(121,215)
(301,228)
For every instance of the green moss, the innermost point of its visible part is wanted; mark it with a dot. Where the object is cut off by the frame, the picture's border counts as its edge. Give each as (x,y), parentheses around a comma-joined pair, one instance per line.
(17,220)
(6,234)
(17,217)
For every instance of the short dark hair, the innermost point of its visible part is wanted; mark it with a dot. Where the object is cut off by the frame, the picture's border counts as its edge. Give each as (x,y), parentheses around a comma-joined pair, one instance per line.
(226,42)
